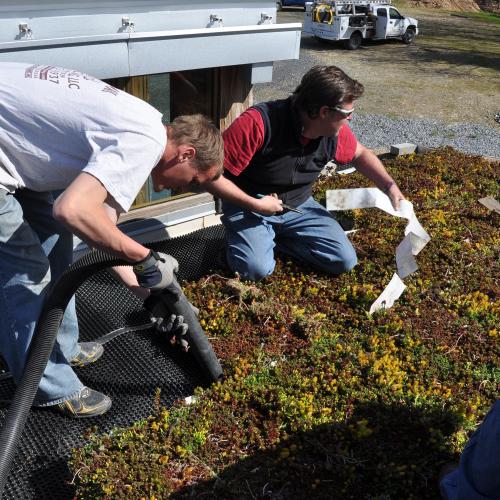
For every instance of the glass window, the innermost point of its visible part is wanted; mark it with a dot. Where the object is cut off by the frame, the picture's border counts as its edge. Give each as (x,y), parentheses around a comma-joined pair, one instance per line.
(345,9)
(381,12)
(159,97)
(159,94)
(394,14)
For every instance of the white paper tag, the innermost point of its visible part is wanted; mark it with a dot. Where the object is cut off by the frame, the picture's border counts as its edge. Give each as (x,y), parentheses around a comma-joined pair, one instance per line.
(391,293)
(414,241)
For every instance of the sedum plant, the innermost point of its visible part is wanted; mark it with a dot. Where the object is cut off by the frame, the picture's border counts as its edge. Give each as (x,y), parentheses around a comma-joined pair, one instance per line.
(322,400)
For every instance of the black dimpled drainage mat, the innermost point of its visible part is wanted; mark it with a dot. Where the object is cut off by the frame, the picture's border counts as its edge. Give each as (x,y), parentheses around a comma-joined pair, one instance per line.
(132,367)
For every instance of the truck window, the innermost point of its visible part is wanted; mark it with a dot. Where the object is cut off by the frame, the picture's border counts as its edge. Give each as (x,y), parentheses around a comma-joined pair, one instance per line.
(394,14)
(360,9)
(382,12)
(345,9)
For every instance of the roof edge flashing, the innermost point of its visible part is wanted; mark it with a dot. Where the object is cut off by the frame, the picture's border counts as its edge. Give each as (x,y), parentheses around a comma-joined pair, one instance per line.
(100,18)
(218,31)
(145,35)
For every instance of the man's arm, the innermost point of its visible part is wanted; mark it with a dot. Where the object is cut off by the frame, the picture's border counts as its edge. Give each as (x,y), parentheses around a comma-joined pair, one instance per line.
(242,139)
(370,166)
(228,190)
(87,209)
(124,273)
(82,207)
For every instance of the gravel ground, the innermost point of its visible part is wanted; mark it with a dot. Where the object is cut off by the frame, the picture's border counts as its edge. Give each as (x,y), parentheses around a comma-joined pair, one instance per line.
(431,104)
(379,132)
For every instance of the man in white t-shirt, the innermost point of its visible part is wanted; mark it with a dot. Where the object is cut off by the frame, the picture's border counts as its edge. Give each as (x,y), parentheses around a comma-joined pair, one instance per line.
(61,129)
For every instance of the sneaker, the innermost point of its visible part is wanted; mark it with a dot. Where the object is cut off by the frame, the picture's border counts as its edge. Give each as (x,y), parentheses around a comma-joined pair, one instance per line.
(89,353)
(88,403)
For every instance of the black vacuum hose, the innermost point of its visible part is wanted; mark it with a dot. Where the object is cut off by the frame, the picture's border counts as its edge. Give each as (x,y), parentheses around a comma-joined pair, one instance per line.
(198,342)
(44,339)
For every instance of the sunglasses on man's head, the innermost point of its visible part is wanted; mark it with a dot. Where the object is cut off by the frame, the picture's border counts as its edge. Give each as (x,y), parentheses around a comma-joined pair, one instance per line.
(346,112)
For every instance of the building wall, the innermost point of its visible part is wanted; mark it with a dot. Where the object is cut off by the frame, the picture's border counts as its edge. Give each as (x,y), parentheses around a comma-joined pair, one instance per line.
(112,39)
(62,18)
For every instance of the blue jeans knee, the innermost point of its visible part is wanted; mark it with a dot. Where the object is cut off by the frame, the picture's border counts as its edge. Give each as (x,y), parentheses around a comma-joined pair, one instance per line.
(343,265)
(348,260)
(250,269)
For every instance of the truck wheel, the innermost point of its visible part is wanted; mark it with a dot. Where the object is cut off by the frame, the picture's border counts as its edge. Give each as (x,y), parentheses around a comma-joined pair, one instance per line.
(409,36)
(279,6)
(354,42)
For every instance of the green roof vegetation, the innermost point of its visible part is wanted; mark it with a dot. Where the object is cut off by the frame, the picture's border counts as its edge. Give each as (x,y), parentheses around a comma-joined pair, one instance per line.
(322,400)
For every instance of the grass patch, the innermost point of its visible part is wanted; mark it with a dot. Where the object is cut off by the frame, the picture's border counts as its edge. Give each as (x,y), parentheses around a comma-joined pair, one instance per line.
(322,400)
(487,17)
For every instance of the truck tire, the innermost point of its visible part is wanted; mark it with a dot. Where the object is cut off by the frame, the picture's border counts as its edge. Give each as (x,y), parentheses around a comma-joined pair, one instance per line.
(354,42)
(409,35)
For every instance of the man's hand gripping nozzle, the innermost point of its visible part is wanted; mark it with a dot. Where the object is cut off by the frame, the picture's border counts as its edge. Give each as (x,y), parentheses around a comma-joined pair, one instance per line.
(174,315)
(157,273)
(166,322)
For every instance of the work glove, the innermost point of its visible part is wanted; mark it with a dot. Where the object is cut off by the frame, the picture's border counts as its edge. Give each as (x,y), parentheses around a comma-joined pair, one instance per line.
(169,324)
(175,329)
(156,271)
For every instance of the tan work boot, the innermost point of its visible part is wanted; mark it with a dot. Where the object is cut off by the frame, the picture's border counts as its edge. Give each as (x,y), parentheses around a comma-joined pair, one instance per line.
(89,353)
(87,403)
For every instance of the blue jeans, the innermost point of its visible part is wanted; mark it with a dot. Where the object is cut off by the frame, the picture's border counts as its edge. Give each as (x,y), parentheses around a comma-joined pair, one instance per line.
(478,474)
(35,250)
(313,237)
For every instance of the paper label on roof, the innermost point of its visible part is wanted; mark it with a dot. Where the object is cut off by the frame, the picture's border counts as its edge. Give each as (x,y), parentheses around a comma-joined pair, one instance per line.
(414,241)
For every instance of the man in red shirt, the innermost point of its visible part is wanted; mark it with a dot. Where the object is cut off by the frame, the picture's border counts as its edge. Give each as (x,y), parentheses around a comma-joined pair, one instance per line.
(274,152)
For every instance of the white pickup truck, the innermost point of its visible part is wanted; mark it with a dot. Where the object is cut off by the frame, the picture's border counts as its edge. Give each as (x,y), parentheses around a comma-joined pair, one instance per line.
(354,20)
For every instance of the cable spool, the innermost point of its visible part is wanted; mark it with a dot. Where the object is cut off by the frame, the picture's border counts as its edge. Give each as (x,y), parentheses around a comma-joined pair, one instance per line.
(323,13)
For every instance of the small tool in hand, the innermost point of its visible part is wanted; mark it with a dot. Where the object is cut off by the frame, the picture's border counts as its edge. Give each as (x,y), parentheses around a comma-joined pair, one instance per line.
(284,205)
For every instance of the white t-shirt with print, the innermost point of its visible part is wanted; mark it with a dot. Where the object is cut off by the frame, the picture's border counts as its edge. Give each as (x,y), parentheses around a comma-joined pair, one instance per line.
(56,123)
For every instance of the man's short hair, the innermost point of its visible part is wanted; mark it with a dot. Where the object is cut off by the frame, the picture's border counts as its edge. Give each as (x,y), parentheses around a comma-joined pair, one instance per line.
(325,86)
(199,132)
